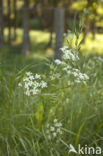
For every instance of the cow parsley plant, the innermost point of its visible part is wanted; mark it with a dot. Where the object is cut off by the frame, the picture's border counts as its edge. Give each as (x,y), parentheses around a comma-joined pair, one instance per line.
(54,130)
(31,84)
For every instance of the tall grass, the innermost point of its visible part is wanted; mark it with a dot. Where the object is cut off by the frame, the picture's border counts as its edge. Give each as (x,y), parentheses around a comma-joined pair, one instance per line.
(78,106)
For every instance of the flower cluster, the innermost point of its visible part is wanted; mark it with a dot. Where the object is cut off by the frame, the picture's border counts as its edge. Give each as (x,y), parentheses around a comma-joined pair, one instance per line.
(32,84)
(68,54)
(69,68)
(54,130)
(78,76)
(59,62)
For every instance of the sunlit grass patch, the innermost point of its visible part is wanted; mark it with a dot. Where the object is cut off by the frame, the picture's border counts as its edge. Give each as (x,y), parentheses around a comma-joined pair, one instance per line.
(93,46)
(40,39)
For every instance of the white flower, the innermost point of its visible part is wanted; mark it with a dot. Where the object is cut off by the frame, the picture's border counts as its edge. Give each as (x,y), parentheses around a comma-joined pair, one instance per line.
(55,120)
(58,62)
(36,84)
(76,70)
(58,130)
(58,124)
(43,84)
(37,76)
(69,72)
(28,73)
(52,77)
(31,85)
(67,68)
(64,48)
(77,81)
(26,85)
(52,129)
(27,93)
(31,77)
(54,134)
(86,76)
(69,83)
(75,74)
(81,76)
(68,55)
(34,91)
(72,57)
(20,85)
(26,79)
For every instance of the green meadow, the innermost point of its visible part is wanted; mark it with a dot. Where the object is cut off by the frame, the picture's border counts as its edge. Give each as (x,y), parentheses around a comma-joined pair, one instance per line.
(69,110)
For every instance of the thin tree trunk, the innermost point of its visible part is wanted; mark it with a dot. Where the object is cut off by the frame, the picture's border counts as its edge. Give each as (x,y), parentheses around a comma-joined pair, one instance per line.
(87,24)
(86,29)
(59,30)
(1,25)
(93,30)
(15,17)
(9,21)
(26,28)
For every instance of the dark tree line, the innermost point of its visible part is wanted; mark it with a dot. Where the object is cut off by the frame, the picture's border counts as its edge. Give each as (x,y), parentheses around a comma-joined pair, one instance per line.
(51,15)
(1,25)
(9,24)
(25,27)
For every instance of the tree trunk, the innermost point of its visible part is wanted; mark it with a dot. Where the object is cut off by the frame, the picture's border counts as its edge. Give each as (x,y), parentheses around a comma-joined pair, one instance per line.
(86,29)
(1,25)
(93,27)
(26,28)
(15,17)
(9,21)
(59,30)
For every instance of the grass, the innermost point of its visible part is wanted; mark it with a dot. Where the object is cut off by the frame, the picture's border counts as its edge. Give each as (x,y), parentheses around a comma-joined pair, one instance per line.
(78,107)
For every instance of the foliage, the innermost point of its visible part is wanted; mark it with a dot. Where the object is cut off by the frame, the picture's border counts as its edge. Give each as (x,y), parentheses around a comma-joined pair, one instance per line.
(71,104)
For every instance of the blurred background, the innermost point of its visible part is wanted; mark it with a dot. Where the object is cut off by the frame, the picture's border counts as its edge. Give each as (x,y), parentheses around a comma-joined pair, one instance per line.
(37,28)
